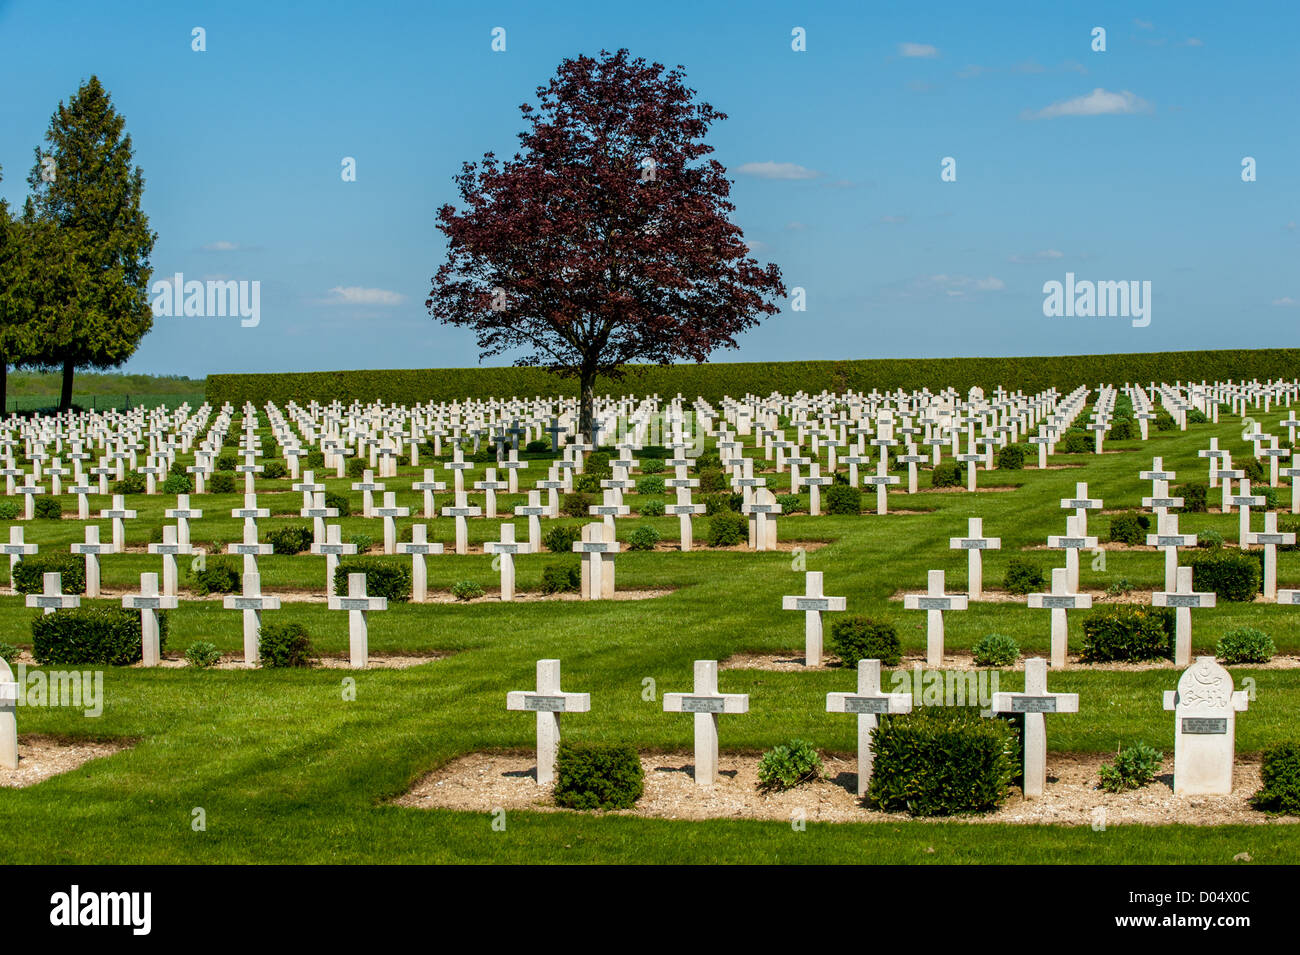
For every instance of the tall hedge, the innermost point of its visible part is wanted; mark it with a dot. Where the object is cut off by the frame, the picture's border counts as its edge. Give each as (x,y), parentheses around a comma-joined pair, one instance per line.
(713,380)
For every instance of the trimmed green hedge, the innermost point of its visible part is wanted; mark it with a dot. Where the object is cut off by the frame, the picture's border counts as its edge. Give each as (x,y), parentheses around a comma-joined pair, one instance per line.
(712,380)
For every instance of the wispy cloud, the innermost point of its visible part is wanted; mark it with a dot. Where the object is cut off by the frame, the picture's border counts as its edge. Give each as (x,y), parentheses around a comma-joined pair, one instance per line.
(1099,102)
(922,50)
(1287,301)
(221,246)
(777,170)
(1044,255)
(356,295)
(893,220)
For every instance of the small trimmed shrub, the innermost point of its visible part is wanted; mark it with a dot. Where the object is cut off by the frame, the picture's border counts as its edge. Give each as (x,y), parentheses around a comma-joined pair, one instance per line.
(643,538)
(384,578)
(9,510)
(467,590)
(315,460)
(1075,442)
(1128,634)
(560,538)
(1123,429)
(283,645)
(202,654)
(1209,538)
(843,499)
(29,573)
(576,504)
(1197,416)
(131,483)
(1023,576)
(177,484)
(1280,775)
(356,468)
(1011,458)
(1289,527)
(1134,767)
(108,636)
(1232,574)
(941,761)
(652,465)
(339,502)
(1129,528)
(291,539)
(363,542)
(221,482)
(275,468)
(561,578)
(653,484)
(1164,420)
(537,447)
(1195,495)
(596,465)
(587,483)
(218,575)
(1252,468)
(593,776)
(47,508)
(727,528)
(856,637)
(946,474)
(791,503)
(712,480)
(652,508)
(996,650)
(789,764)
(1245,645)
(719,503)
(1269,494)
(226,461)
(9,653)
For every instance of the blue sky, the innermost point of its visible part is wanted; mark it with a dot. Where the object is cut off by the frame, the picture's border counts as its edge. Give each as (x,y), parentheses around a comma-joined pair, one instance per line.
(1122,165)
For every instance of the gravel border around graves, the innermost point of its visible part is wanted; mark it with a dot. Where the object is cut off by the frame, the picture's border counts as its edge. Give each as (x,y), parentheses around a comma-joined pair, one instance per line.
(42,757)
(792,661)
(375,661)
(484,782)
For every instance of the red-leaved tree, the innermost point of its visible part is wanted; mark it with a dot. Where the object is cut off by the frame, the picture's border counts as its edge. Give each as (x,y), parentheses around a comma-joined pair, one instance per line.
(607,238)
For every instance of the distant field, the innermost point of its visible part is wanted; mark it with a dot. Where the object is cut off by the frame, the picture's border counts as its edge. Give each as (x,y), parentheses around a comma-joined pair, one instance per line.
(101,391)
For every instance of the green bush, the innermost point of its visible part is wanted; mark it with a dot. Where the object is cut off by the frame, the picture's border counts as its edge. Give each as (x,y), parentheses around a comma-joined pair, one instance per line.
(587,484)
(996,650)
(315,460)
(221,483)
(946,474)
(1280,776)
(356,468)
(466,590)
(1232,574)
(652,465)
(1269,494)
(1252,468)
(652,508)
(29,573)
(9,653)
(362,542)
(202,654)
(718,503)
(9,510)
(291,539)
(1164,420)
(561,578)
(1289,527)
(643,538)
(712,480)
(1197,416)
(542,446)
(843,499)
(281,645)
(1023,576)
(726,529)
(1012,457)
(856,637)
(789,764)
(108,636)
(1134,767)
(591,776)
(131,483)
(339,502)
(1129,634)
(384,578)
(1129,528)
(177,484)
(1195,495)
(275,468)
(942,760)
(650,485)
(1209,538)
(576,504)
(227,461)
(560,538)
(790,503)
(47,508)
(218,575)
(597,466)
(1075,442)
(1245,645)
(1123,429)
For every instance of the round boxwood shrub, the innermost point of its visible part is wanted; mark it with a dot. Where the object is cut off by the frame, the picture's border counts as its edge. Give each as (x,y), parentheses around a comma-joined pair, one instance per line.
(216,575)
(131,483)
(362,542)
(942,760)
(1129,528)
(717,503)
(643,538)
(587,483)
(467,590)
(652,508)
(339,502)
(1232,574)
(560,538)
(177,484)
(1012,457)
(1280,778)
(1075,442)
(996,650)
(291,539)
(1134,767)
(384,578)
(792,503)
(561,578)
(946,474)
(1195,495)
(8,510)
(221,482)
(1164,420)
(856,637)
(727,528)
(108,636)
(652,484)
(1253,469)
(652,465)
(1245,645)
(29,573)
(1123,429)
(1023,576)
(712,480)
(226,461)
(843,499)
(47,508)
(576,504)
(1209,538)
(285,645)
(1129,634)
(789,764)
(597,776)
(315,460)
(275,468)
(356,468)
(202,654)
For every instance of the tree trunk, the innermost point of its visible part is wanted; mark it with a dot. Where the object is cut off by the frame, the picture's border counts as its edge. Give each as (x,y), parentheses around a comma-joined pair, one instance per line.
(65,398)
(586,405)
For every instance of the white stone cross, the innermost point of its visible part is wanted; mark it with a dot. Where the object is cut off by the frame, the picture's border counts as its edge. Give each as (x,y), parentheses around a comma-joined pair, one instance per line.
(250,549)
(812,602)
(1183,600)
(867,703)
(148,601)
(91,549)
(462,510)
(490,486)
(17,549)
(597,548)
(707,704)
(1168,537)
(1205,727)
(762,511)
(1034,703)
(882,480)
(1072,542)
(252,603)
(935,603)
(534,510)
(358,605)
(1245,501)
(182,514)
(419,547)
(367,486)
(169,549)
(548,701)
(975,543)
(52,597)
(390,512)
(505,549)
(685,512)
(119,514)
(1082,504)
(1059,601)
(1270,540)
(9,691)
(333,547)
(429,487)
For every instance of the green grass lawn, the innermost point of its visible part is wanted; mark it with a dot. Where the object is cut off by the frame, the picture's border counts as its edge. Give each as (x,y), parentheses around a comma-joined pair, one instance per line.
(287,769)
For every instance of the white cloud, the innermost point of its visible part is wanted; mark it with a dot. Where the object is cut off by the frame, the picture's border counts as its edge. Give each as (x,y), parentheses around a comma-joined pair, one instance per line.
(777,170)
(221,246)
(1144,24)
(1043,254)
(957,286)
(356,295)
(923,50)
(1099,102)
(1286,300)
(1193,41)
(990,284)
(796,226)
